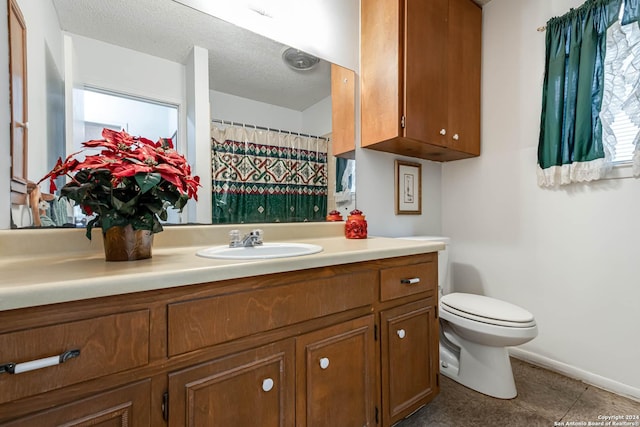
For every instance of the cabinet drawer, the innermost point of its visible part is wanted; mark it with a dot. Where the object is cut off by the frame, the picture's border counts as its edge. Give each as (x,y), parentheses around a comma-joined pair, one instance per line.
(107,344)
(199,323)
(396,282)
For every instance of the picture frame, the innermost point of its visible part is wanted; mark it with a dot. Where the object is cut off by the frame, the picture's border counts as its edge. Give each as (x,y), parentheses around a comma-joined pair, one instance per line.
(408,186)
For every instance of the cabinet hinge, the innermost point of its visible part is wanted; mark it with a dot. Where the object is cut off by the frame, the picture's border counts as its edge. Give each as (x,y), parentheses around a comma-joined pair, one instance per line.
(377,416)
(437,314)
(438,380)
(375,332)
(165,406)
(402,122)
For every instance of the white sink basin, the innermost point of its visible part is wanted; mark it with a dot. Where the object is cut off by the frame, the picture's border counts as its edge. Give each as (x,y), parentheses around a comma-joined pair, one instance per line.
(264,251)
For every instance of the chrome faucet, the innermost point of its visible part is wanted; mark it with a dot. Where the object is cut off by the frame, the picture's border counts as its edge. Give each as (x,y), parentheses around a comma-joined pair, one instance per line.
(253,238)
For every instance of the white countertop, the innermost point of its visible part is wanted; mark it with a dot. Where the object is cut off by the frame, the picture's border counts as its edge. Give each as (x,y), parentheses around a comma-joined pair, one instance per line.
(43,267)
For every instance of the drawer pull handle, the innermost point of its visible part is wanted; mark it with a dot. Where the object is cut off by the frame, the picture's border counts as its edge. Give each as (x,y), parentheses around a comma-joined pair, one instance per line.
(18,368)
(412,281)
(401,333)
(267,384)
(324,362)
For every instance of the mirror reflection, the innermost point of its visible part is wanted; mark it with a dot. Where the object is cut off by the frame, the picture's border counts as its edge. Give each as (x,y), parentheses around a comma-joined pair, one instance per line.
(143,51)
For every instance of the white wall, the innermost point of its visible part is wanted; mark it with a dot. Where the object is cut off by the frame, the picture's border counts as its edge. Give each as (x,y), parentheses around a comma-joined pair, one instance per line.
(567,255)
(107,66)
(315,120)
(243,110)
(375,172)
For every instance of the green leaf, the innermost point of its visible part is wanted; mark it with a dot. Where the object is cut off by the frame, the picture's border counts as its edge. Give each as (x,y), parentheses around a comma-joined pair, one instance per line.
(147,181)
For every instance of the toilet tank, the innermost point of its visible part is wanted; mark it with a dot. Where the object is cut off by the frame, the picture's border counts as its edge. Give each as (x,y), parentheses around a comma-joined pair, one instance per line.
(444,281)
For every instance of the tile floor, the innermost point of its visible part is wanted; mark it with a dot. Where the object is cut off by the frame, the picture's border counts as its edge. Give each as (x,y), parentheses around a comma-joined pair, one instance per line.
(545,399)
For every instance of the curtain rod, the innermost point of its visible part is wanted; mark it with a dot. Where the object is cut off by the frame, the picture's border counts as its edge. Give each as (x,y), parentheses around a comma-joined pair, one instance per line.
(541,29)
(228,122)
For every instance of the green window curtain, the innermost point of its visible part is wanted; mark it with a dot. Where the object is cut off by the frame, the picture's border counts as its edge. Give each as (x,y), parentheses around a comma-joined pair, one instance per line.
(570,147)
(264,176)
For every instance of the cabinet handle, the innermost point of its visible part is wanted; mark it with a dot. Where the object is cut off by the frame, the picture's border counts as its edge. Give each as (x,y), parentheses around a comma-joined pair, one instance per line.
(324,362)
(401,333)
(456,137)
(411,281)
(267,384)
(24,125)
(18,368)
(443,131)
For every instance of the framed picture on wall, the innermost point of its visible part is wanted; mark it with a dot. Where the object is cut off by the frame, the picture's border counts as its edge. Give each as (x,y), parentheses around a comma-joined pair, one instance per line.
(408,180)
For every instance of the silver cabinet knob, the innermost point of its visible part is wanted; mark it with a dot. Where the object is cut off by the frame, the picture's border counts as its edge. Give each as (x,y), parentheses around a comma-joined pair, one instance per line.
(267,384)
(401,333)
(443,131)
(456,137)
(324,362)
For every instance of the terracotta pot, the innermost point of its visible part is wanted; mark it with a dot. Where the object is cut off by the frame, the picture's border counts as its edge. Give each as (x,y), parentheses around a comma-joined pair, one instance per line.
(127,244)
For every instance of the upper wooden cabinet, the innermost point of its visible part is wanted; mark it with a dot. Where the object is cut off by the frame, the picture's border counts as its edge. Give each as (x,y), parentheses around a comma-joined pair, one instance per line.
(420,77)
(343,94)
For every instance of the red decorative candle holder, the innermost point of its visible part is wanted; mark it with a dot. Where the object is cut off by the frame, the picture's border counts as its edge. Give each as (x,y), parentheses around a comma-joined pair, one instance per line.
(356,226)
(334,216)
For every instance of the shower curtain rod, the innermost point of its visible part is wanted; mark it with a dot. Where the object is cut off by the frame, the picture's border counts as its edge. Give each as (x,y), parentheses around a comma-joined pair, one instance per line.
(228,122)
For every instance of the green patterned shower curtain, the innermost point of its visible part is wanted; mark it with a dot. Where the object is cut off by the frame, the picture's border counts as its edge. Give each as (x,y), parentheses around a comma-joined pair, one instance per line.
(262,176)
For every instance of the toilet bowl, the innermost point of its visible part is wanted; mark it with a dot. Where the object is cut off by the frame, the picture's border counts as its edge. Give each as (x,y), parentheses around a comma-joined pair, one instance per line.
(475,332)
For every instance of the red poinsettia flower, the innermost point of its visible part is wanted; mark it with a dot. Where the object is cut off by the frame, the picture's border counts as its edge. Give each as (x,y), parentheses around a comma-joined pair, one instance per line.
(131,181)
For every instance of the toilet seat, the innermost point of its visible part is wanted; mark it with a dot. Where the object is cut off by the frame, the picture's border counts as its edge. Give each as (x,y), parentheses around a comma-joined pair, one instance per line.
(487,310)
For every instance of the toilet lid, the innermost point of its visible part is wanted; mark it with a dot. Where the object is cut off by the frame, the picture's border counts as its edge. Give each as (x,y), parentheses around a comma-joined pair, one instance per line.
(488,309)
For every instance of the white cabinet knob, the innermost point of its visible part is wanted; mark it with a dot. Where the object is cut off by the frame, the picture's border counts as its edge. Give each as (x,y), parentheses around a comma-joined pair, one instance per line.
(443,131)
(456,137)
(401,333)
(324,362)
(267,384)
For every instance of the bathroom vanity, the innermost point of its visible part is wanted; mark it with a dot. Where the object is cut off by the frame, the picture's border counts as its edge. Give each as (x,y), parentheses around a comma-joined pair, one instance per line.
(347,336)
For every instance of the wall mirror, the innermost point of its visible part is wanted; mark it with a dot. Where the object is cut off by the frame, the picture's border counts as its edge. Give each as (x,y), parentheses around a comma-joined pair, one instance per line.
(138,50)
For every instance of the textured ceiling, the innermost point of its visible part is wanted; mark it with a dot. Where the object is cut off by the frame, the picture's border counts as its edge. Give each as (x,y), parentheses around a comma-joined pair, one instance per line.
(240,62)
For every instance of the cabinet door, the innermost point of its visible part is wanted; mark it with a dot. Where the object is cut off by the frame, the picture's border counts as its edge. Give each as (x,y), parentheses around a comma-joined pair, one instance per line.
(381,95)
(410,354)
(464,65)
(253,388)
(335,376)
(425,65)
(124,407)
(343,93)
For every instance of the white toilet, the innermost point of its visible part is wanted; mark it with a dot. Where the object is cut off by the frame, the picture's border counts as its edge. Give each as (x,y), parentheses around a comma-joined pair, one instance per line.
(475,332)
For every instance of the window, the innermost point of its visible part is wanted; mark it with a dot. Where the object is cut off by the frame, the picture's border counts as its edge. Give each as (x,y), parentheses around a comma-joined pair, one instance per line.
(620,105)
(137,116)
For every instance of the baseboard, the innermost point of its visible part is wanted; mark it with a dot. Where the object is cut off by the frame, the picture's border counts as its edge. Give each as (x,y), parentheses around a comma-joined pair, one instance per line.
(576,373)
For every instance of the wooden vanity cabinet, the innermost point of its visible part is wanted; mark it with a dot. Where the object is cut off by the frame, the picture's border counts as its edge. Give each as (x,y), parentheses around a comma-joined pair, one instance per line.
(420,77)
(314,347)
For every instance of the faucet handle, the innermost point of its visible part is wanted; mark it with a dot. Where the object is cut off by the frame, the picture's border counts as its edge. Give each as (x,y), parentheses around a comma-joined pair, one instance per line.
(234,238)
(257,236)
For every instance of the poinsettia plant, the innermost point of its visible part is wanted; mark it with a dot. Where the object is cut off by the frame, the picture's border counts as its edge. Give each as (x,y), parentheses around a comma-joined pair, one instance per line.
(132,180)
